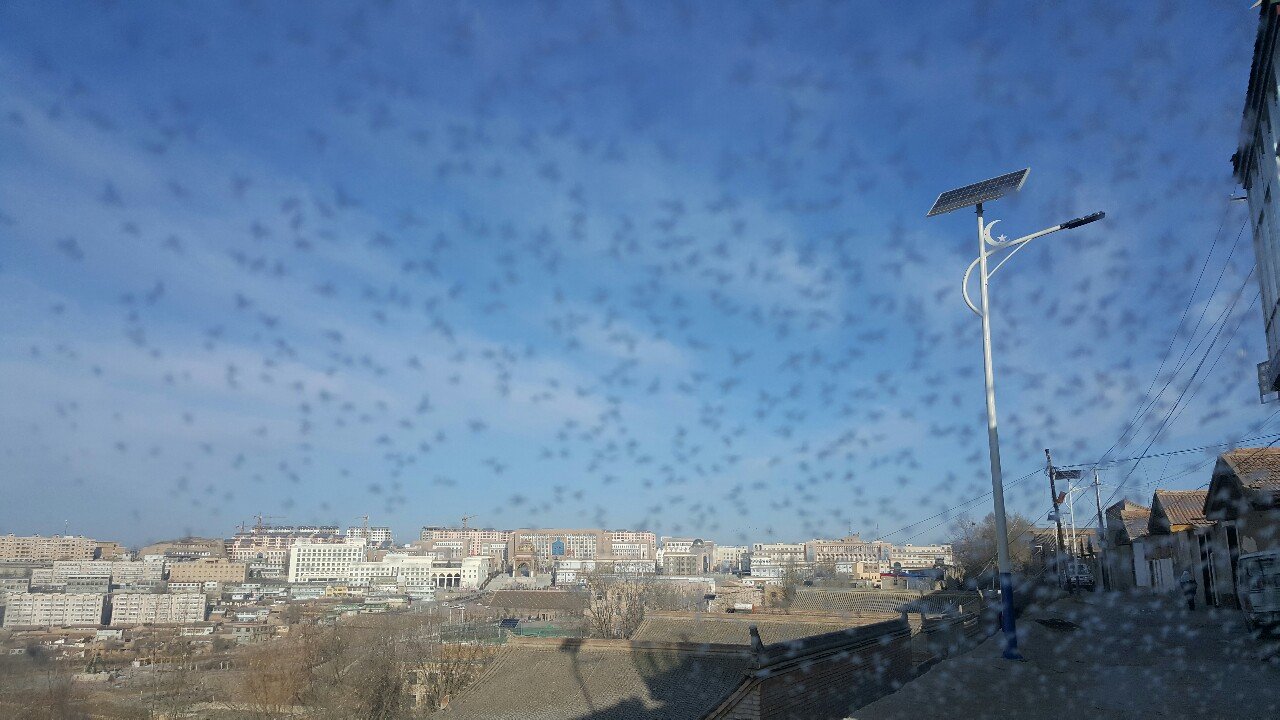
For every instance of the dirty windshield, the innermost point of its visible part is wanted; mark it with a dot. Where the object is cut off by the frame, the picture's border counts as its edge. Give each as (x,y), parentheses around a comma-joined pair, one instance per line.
(639,359)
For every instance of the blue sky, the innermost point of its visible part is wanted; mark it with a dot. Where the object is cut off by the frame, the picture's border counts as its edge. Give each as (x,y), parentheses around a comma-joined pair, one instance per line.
(658,265)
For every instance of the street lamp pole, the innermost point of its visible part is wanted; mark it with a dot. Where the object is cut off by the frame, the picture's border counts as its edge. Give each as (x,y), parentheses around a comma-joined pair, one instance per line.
(986,247)
(976,194)
(993,449)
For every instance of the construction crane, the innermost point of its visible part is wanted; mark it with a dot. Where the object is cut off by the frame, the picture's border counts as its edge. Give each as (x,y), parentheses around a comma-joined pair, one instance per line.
(259,525)
(465,518)
(366,537)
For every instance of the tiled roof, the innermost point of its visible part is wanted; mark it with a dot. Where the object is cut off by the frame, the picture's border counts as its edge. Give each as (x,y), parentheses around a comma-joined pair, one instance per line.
(1175,509)
(851,602)
(732,629)
(1257,468)
(618,680)
(538,600)
(1135,522)
(1127,521)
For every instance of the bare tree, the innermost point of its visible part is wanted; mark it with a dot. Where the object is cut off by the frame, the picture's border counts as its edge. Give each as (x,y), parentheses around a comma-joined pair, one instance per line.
(615,605)
(276,677)
(974,544)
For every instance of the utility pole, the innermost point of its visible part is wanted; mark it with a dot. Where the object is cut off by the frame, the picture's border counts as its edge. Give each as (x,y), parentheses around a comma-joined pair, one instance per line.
(1071,510)
(1057,516)
(1102,543)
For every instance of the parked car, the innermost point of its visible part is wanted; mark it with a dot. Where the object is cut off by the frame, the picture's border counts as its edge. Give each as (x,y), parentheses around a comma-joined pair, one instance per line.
(1079,575)
(1258,587)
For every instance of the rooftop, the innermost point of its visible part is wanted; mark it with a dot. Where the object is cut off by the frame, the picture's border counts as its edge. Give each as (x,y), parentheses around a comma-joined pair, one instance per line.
(1174,510)
(1257,468)
(538,600)
(725,629)
(537,679)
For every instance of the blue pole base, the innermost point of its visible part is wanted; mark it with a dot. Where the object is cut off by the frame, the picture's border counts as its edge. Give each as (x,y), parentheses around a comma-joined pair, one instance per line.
(1007,623)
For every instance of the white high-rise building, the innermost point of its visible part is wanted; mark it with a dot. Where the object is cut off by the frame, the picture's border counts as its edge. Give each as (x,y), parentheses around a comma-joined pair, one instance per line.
(324,561)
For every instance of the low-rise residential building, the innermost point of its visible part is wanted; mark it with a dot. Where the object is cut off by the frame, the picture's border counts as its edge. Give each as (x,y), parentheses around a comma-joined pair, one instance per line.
(1243,505)
(157,608)
(247,632)
(54,609)
(16,548)
(209,569)
(1125,558)
(1176,537)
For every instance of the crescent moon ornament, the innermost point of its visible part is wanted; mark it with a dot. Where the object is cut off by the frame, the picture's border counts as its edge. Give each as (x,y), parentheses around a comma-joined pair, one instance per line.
(987,232)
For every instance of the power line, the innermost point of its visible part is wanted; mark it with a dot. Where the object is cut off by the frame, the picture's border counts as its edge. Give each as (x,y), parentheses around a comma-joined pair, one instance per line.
(1222,323)
(1177,452)
(1146,405)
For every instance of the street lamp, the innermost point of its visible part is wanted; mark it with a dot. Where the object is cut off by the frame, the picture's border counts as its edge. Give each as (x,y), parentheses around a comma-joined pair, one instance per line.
(976,194)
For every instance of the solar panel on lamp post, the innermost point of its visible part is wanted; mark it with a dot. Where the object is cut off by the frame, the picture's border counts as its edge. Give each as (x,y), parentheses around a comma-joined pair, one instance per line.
(976,194)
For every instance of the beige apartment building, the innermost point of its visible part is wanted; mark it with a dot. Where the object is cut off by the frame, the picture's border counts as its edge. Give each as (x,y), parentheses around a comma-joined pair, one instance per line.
(210,569)
(537,550)
(54,609)
(151,608)
(458,543)
(849,549)
(16,548)
(109,550)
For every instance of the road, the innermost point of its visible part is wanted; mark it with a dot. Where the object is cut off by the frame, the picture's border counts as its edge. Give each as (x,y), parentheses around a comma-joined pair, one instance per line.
(1129,657)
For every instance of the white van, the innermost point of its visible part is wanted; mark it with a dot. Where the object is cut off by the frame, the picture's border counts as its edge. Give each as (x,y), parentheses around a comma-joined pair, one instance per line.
(1258,587)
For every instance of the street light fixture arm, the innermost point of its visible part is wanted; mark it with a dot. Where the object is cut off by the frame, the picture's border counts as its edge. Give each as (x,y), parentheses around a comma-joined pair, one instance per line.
(1068,225)
(1017,244)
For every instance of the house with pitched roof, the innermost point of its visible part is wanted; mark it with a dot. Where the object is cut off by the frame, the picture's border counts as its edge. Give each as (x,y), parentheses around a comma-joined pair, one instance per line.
(1126,559)
(1177,540)
(1243,505)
